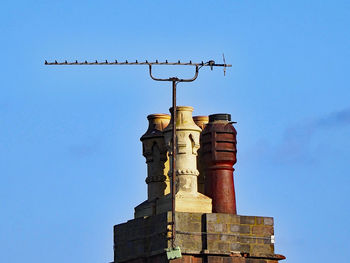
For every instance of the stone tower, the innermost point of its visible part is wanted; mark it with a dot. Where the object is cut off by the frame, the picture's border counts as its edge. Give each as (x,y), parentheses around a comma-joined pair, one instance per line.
(208,229)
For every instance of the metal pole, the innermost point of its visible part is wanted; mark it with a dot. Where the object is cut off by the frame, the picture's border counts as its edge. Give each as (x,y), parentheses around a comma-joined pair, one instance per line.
(174,81)
(173,171)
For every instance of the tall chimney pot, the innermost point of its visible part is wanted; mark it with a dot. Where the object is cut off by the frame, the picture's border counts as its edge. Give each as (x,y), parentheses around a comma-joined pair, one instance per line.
(218,148)
(155,152)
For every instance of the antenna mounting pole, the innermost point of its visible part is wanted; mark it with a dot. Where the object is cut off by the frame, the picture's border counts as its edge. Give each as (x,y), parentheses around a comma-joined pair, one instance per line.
(175,81)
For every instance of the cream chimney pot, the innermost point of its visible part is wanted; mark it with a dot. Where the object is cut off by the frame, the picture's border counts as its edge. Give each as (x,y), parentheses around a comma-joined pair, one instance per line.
(156,156)
(155,152)
(188,199)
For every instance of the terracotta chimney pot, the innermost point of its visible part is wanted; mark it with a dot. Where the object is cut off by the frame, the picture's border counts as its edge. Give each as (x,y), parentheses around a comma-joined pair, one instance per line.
(218,143)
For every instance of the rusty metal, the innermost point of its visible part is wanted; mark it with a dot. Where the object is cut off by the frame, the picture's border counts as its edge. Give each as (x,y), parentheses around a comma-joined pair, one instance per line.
(175,81)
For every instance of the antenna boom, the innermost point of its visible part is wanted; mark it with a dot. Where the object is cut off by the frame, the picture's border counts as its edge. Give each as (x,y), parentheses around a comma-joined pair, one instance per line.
(210,63)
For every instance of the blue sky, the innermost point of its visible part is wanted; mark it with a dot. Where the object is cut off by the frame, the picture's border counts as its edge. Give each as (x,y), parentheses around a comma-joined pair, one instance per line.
(70,157)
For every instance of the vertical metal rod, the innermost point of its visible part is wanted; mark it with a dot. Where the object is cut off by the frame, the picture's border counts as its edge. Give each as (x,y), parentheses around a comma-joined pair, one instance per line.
(174,81)
(173,170)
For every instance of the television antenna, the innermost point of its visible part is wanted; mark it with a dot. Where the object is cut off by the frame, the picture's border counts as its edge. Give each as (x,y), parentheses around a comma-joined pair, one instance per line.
(175,81)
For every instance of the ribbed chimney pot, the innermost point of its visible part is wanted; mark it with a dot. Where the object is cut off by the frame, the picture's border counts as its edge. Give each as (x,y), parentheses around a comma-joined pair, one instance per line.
(218,142)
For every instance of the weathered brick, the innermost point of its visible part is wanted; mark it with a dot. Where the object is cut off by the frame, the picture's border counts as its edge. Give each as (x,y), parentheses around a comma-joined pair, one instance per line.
(235,219)
(250,220)
(247,239)
(186,259)
(191,243)
(213,237)
(266,240)
(182,216)
(227,260)
(211,218)
(197,259)
(212,245)
(227,218)
(216,227)
(243,229)
(258,250)
(215,259)
(235,228)
(222,218)
(228,238)
(259,220)
(188,226)
(268,221)
(223,237)
(195,227)
(225,247)
(262,230)
(177,260)
(196,217)
(240,247)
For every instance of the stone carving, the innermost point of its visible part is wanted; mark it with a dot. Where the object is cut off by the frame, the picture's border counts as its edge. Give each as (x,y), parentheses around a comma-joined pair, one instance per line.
(187,139)
(155,152)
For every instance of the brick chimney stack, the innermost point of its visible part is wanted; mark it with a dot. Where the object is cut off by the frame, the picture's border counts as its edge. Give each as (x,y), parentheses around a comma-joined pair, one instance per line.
(208,229)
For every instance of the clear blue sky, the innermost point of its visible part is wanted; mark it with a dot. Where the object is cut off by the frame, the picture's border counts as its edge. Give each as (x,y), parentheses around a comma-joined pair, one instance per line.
(70,156)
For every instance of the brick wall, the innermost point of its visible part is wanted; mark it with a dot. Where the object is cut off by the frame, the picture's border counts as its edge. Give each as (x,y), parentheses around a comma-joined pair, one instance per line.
(225,233)
(197,234)
(140,237)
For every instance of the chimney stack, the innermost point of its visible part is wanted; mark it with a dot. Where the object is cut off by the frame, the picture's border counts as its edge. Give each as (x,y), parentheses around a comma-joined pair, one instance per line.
(207,227)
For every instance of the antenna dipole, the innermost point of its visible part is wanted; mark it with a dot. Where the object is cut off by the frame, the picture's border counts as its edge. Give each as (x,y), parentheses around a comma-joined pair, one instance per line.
(175,81)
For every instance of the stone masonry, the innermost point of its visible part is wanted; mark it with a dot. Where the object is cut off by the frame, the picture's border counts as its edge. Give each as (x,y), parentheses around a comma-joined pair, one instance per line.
(200,236)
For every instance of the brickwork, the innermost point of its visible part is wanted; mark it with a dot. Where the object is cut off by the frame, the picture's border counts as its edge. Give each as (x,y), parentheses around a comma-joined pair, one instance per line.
(197,235)
(140,237)
(223,233)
